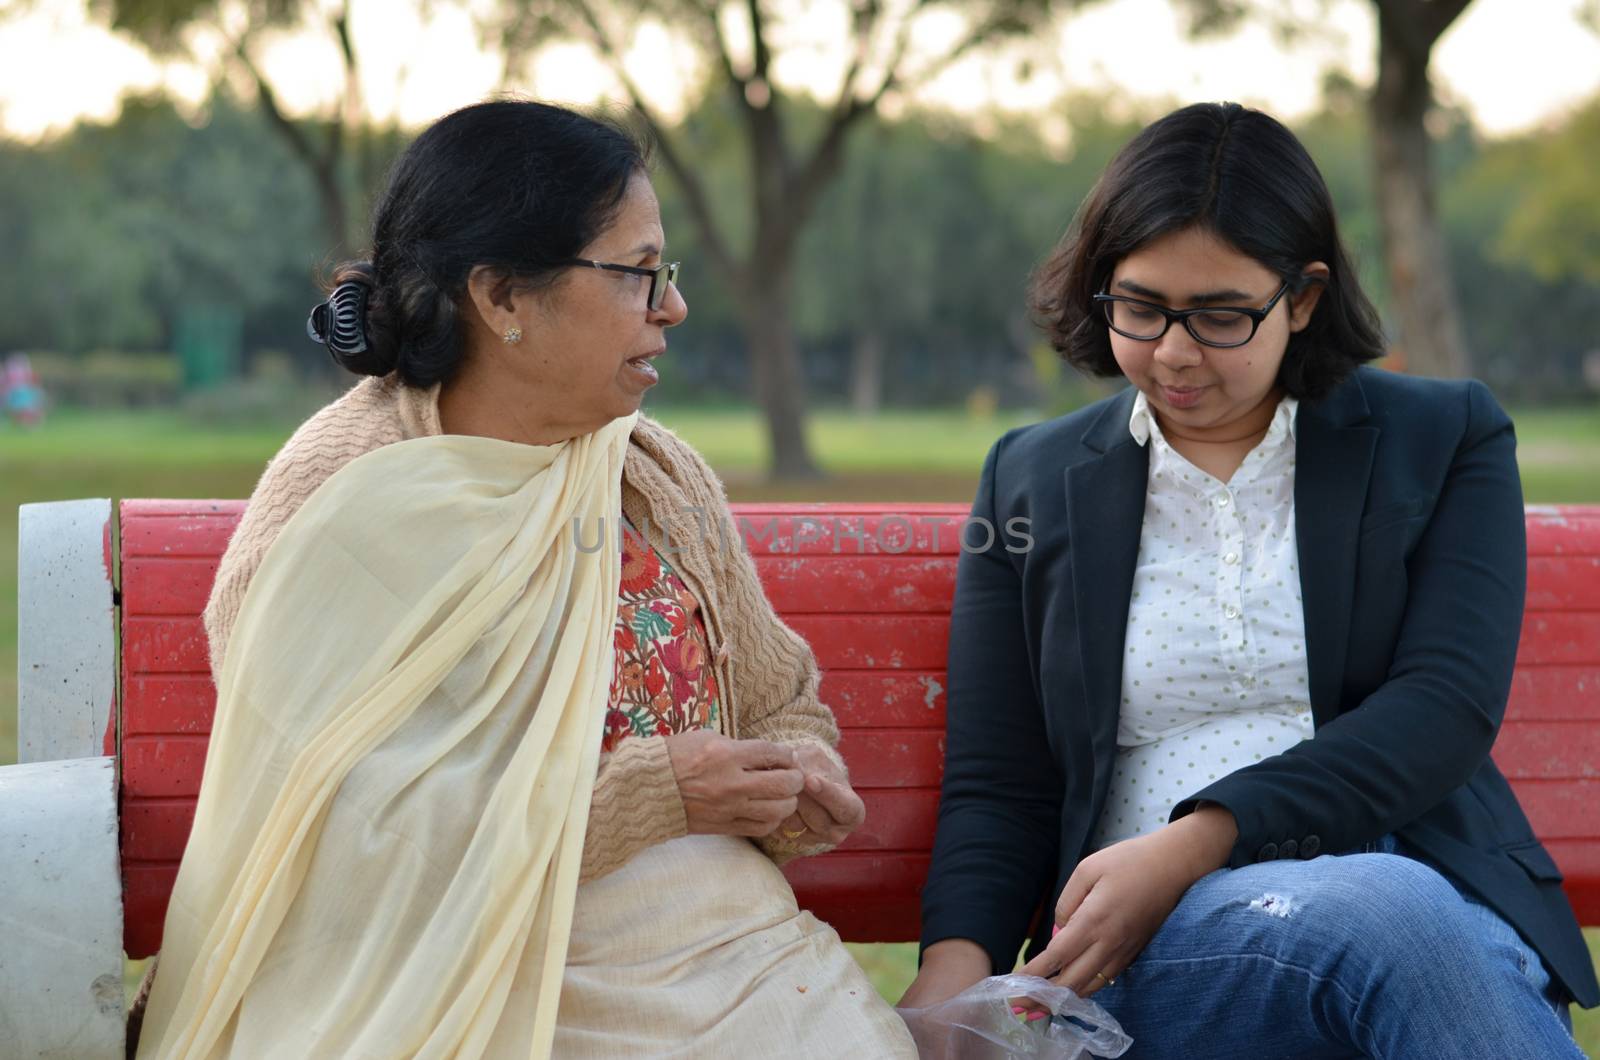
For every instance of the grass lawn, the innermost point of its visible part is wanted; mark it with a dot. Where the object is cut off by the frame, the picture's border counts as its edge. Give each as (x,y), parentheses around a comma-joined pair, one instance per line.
(906,456)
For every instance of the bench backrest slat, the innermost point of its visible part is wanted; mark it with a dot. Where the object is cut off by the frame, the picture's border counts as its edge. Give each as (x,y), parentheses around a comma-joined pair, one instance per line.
(869,586)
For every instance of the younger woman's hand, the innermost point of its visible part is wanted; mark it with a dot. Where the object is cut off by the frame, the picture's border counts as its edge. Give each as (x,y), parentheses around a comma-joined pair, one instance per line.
(948,968)
(1118,898)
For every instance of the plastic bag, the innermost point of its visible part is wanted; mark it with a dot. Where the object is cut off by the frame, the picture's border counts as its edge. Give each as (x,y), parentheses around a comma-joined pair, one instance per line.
(978,1024)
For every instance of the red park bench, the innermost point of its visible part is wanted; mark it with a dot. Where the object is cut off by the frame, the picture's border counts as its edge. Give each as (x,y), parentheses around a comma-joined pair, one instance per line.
(117,700)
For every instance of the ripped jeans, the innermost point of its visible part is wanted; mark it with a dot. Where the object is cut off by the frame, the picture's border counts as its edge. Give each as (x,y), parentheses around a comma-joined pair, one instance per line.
(1357,955)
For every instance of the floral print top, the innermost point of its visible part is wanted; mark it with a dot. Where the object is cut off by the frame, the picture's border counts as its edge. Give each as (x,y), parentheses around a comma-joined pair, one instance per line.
(664,682)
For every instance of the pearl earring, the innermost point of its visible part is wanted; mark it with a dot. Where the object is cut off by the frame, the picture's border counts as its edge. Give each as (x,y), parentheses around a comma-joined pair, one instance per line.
(513,336)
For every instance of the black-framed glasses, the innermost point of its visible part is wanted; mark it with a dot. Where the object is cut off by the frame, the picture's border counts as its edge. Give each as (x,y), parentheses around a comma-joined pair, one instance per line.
(1222,327)
(661,276)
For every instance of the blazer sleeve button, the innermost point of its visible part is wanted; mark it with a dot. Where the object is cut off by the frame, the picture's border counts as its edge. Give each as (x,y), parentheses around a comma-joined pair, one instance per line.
(1309,848)
(1288,848)
(1267,852)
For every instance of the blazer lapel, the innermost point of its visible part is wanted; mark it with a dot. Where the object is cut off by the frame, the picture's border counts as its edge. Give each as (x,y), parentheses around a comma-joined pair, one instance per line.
(1334,447)
(1105,510)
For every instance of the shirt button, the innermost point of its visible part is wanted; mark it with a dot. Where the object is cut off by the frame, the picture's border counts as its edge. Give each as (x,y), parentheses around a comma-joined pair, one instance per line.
(1222,500)
(1231,558)
(1230,611)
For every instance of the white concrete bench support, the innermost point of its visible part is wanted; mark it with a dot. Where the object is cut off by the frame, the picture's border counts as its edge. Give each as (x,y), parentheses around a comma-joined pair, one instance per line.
(61,993)
(66,625)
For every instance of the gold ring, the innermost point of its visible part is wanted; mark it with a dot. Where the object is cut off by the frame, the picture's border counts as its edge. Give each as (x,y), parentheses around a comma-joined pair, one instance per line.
(1101,976)
(793,835)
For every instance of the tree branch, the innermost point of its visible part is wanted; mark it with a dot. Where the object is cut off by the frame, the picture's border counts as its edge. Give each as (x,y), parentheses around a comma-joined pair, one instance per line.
(299,143)
(769,141)
(1437,16)
(758,36)
(1417,24)
(719,46)
(805,188)
(694,190)
(1588,15)
(352,82)
(1000,24)
(864,20)
(897,58)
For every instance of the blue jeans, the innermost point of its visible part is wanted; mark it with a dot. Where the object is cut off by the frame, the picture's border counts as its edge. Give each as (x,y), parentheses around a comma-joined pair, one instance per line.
(1365,954)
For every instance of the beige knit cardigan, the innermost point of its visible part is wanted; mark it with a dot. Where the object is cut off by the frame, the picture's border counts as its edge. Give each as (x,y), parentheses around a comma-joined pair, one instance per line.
(766,672)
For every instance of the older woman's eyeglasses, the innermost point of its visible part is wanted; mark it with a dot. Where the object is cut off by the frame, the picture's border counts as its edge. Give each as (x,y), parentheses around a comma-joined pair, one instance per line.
(1222,327)
(661,276)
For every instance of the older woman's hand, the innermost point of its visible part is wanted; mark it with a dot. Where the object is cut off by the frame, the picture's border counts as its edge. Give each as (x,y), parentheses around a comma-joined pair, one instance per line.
(828,809)
(734,787)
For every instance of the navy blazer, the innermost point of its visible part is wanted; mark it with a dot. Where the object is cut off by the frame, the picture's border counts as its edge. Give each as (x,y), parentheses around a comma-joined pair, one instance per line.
(1413,564)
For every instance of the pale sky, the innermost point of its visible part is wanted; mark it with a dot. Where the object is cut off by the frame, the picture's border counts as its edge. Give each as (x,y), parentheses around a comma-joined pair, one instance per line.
(1511,63)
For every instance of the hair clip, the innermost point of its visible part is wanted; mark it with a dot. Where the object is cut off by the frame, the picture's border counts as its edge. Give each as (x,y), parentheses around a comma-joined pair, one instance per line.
(340,322)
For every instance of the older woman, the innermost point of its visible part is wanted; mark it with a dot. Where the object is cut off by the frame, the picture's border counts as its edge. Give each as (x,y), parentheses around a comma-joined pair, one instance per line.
(488,778)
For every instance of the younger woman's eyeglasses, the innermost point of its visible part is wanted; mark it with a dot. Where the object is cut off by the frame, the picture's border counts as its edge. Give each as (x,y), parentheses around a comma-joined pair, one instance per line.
(661,276)
(1222,327)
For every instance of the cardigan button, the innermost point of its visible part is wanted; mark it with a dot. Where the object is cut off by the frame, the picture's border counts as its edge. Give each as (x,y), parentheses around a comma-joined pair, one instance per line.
(1309,848)
(1288,848)
(1267,852)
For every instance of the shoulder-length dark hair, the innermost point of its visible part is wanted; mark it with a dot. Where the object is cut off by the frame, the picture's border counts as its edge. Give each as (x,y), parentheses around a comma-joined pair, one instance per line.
(1241,175)
(516,185)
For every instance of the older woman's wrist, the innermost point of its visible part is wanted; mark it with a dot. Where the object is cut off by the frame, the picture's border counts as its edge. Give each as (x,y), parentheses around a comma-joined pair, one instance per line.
(635,804)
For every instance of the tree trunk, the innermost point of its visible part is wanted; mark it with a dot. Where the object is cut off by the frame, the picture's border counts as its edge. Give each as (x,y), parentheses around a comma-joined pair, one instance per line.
(866,372)
(1430,340)
(335,215)
(776,369)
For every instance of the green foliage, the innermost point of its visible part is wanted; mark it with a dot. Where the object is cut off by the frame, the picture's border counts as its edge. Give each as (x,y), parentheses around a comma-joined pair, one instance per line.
(1528,301)
(925,242)
(160,23)
(1553,225)
(117,228)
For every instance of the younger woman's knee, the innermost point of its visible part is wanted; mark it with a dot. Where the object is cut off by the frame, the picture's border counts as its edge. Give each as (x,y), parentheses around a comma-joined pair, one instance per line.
(1378,894)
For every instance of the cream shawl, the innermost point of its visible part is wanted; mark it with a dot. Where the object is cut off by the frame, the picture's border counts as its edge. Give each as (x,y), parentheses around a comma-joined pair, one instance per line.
(386,848)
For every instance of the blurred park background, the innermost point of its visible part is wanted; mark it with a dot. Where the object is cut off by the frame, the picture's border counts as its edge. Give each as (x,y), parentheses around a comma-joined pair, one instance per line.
(858,190)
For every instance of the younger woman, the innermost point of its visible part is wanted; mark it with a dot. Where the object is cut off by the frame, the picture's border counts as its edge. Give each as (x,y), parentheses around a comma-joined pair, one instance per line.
(1225,728)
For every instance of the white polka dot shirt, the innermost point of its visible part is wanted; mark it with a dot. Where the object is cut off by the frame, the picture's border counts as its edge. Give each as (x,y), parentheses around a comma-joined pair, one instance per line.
(1214,665)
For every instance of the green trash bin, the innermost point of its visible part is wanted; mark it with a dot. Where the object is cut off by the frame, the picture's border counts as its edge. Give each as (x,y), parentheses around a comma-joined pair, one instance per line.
(209,339)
